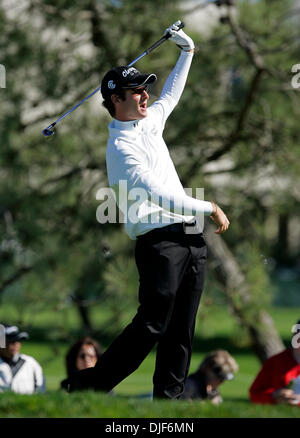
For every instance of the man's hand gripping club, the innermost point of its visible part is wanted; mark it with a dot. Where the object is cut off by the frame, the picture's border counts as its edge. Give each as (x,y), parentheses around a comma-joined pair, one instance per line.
(179,37)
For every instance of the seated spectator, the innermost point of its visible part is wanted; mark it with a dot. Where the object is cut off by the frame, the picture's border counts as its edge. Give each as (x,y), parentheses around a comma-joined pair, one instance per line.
(83,354)
(18,372)
(278,381)
(215,368)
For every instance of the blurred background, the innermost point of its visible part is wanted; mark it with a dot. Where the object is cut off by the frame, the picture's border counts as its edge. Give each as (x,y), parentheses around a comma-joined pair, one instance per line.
(235,133)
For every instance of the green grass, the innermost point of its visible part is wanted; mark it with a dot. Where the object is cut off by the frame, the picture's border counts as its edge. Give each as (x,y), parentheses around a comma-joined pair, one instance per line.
(97,405)
(51,357)
(215,329)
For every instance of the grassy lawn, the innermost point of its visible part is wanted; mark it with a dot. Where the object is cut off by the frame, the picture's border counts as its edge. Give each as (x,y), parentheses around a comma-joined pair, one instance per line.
(132,396)
(213,335)
(51,357)
(95,405)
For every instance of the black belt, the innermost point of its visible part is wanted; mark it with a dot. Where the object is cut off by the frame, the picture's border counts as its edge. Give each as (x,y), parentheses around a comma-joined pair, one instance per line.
(179,227)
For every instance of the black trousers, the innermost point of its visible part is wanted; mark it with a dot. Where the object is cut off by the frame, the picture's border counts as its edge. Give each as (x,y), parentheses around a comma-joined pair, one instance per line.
(171,268)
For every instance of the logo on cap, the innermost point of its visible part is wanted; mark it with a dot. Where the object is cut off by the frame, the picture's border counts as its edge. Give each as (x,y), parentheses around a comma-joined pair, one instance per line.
(129,71)
(111,85)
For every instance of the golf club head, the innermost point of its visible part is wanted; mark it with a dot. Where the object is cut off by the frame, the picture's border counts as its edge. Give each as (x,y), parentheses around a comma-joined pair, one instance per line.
(47,132)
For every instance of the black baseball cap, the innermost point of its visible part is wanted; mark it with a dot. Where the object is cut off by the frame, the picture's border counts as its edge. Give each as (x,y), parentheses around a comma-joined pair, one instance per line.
(124,77)
(13,334)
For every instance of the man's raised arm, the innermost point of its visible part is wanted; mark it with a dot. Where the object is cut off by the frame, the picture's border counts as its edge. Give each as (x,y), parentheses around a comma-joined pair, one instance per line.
(175,82)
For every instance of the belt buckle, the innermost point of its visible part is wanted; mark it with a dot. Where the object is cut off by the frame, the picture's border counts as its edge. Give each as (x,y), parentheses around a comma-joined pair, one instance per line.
(190,228)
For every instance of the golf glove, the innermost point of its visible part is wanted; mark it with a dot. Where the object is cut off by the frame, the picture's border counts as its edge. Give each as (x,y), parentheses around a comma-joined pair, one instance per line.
(179,37)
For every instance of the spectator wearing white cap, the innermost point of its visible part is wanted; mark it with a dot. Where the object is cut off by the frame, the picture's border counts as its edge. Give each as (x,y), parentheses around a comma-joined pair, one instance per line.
(19,373)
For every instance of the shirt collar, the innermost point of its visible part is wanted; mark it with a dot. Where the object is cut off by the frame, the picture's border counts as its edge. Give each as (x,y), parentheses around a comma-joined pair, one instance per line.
(131,125)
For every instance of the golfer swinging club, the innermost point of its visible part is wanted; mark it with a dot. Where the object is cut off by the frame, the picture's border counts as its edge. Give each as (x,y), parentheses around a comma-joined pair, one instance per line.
(170,249)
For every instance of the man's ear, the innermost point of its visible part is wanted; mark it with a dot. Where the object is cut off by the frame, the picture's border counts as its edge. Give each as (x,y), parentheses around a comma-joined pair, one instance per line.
(115,98)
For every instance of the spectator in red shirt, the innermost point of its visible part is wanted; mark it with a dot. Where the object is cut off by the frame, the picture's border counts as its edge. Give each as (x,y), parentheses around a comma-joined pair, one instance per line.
(279,379)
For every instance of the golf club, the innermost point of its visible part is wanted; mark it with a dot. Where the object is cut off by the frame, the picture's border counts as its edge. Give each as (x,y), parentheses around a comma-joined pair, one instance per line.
(47,132)
(219,3)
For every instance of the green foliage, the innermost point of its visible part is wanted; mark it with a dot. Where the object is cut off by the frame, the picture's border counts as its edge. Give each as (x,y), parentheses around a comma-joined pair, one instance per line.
(121,290)
(56,52)
(253,263)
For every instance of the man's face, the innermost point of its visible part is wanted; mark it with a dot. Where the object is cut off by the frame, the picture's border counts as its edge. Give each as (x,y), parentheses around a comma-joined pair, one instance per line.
(134,107)
(11,349)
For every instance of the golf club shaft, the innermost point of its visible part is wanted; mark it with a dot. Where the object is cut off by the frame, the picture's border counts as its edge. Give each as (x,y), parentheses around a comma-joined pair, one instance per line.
(154,46)
(47,132)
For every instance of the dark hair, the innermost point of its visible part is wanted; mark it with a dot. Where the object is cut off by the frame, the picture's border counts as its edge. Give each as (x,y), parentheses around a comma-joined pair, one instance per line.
(109,105)
(73,351)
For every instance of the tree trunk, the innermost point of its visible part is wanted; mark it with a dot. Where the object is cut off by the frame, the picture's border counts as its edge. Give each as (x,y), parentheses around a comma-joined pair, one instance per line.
(282,247)
(264,337)
(83,312)
(85,317)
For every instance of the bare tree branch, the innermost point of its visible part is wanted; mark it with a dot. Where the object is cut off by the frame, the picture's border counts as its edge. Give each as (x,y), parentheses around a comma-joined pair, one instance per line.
(16,276)
(245,43)
(250,48)
(236,133)
(71,172)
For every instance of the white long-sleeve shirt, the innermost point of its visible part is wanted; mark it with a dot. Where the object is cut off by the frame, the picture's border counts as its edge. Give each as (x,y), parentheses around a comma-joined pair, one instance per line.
(28,379)
(140,170)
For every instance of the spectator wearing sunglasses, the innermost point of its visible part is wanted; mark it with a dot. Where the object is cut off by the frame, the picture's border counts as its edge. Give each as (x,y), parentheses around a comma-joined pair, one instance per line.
(81,355)
(217,367)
